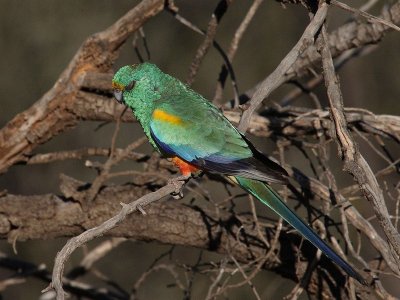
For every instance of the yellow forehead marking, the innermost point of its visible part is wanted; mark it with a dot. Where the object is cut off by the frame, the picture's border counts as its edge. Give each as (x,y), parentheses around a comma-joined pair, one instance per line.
(161,115)
(117,86)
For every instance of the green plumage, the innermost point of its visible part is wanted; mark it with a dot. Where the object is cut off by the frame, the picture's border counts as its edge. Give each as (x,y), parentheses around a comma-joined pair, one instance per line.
(156,90)
(181,123)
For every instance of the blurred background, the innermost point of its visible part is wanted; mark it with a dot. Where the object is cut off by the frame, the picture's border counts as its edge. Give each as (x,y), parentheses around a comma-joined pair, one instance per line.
(38,38)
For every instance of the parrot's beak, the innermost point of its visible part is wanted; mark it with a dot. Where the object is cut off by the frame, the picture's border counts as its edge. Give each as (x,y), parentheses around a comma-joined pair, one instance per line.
(118,95)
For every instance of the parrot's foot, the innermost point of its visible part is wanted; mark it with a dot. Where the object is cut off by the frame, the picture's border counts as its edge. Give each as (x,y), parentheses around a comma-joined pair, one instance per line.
(197,174)
(177,182)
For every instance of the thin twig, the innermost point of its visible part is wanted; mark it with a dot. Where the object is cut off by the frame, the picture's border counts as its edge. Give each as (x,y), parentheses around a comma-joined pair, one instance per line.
(187,23)
(50,157)
(112,160)
(209,38)
(366,15)
(277,77)
(247,278)
(94,232)
(232,51)
(217,279)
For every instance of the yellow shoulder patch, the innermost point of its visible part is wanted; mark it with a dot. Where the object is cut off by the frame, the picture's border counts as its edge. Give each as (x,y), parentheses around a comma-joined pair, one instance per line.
(161,115)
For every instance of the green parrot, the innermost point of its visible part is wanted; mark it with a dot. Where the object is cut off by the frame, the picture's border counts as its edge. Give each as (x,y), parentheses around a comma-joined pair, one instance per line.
(184,126)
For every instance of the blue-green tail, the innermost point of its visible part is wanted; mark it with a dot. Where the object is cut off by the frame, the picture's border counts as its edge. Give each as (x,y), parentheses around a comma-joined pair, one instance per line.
(269,197)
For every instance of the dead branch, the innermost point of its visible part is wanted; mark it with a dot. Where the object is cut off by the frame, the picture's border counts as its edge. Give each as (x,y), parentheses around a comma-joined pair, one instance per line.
(54,112)
(277,77)
(354,162)
(57,111)
(216,16)
(348,36)
(52,216)
(232,51)
(248,242)
(93,232)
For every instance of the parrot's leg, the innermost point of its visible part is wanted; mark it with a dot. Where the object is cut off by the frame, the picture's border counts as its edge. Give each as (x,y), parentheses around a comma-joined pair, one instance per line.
(186,170)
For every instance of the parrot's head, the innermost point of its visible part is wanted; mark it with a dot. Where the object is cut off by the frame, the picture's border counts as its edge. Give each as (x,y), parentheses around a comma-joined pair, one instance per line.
(138,85)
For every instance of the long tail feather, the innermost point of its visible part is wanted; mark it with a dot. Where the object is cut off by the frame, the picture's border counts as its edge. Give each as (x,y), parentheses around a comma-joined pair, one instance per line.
(269,197)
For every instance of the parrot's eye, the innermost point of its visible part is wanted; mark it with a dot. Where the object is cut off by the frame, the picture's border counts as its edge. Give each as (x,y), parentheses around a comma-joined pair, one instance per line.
(130,86)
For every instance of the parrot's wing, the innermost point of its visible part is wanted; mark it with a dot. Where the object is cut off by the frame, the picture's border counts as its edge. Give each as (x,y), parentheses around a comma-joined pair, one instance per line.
(197,132)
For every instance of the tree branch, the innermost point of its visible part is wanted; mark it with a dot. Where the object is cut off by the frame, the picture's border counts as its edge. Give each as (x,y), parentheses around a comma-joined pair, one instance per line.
(53,113)
(50,216)
(349,36)
(354,161)
(277,77)
(99,230)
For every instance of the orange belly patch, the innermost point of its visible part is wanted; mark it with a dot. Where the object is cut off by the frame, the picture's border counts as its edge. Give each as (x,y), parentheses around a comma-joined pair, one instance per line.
(184,167)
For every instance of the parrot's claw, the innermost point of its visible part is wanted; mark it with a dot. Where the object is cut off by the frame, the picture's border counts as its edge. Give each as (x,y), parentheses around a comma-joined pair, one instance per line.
(178,182)
(177,196)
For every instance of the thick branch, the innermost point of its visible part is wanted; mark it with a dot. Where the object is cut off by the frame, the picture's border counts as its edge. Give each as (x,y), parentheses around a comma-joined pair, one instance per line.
(57,110)
(52,114)
(51,216)
(289,122)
